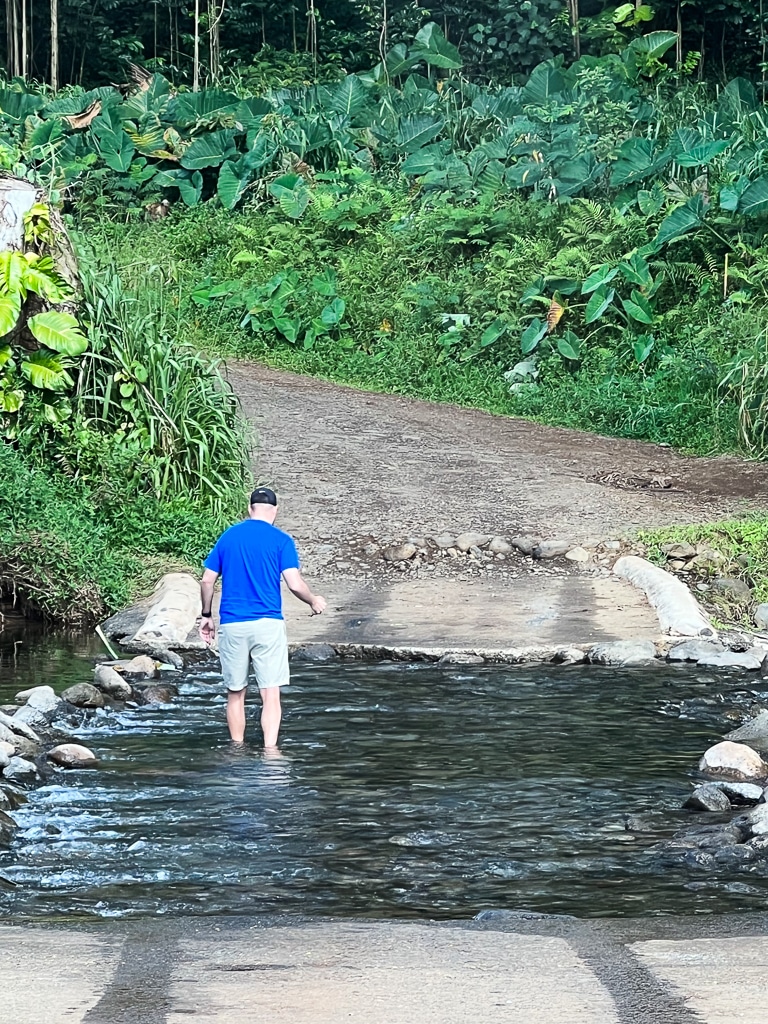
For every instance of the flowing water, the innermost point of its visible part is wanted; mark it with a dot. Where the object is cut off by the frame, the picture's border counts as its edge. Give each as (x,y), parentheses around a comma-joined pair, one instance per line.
(403,791)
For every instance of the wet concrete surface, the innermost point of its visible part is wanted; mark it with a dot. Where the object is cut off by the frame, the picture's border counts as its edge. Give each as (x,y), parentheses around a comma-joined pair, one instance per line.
(546,971)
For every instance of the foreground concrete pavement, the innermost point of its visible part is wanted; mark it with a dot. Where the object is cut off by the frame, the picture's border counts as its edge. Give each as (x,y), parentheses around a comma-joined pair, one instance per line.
(239,971)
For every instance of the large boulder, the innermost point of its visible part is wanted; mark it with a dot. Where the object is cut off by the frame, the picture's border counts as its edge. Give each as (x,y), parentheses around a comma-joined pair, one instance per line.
(695,650)
(173,613)
(83,695)
(19,769)
(72,755)
(677,609)
(754,732)
(708,798)
(623,652)
(750,660)
(41,698)
(735,761)
(32,717)
(140,667)
(111,683)
(732,589)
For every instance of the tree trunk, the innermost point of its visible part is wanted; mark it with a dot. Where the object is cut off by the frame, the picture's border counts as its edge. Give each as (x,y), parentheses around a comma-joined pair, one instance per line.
(196,54)
(54,44)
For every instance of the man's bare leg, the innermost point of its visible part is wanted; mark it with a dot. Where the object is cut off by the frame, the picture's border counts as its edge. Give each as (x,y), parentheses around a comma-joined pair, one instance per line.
(236,715)
(271,715)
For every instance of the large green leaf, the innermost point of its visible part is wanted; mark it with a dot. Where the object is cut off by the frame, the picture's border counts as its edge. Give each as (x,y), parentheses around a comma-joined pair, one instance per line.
(684,219)
(261,152)
(602,276)
(399,61)
(638,307)
(191,188)
(58,331)
(754,199)
(416,130)
(702,154)
(12,268)
(639,159)
(348,96)
(546,80)
(40,276)
(210,150)
(16,105)
(532,335)
(150,100)
(10,307)
(600,300)
(231,184)
(654,44)
(292,194)
(11,399)
(569,346)
(431,46)
(44,370)
(186,109)
(424,161)
(333,313)
(737,99)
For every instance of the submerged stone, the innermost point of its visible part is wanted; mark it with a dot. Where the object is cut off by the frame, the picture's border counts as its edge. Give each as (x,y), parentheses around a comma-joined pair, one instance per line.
(623,652)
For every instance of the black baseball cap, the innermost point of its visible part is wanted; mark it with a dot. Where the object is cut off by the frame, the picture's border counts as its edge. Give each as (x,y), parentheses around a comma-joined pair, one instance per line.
(263,496)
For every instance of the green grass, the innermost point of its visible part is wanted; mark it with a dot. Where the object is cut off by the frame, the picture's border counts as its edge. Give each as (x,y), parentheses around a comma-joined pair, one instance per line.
(72,554)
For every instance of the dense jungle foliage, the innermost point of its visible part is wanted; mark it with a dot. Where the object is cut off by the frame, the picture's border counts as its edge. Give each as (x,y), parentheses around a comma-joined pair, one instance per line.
(581,241)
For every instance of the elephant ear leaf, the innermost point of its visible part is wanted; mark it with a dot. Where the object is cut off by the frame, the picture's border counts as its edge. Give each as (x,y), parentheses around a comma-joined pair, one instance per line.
(10,307)
(58,331)
(44,370)
(433,48)
(232,183)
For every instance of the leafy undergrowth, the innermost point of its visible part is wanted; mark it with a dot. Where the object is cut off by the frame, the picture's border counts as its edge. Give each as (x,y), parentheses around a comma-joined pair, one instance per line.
(73,554)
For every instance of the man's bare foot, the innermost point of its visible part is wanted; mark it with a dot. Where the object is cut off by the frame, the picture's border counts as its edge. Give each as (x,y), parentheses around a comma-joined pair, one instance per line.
(273,754)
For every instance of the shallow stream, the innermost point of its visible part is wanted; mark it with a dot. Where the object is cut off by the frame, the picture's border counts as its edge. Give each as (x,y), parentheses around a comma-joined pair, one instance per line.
(404,791)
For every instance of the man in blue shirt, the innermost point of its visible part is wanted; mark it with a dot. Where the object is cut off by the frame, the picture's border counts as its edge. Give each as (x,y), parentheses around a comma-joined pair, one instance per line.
(251,557)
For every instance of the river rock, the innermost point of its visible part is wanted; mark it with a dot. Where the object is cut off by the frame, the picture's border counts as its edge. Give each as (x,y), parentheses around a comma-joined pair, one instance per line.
(29,716)
(162,693)
(569,656)
(623,652)
(316,654)
(41,698)
(735,760)
(27,748)
(461,658)
(399,552)
(708,798)
(740,793)
(5,759)
(679,550)
(499,546)
(753,732)
(732,588)
(7,748)
(469,540)
(140,667)
(445,541)
(750,660)
(20,770)
(551,548)
(72,755)
(578,555)
(761,616)
(16,725)
(757,820)
(7,828)
(694,650)
(525,544)
(83,695)
(111,683)
(6,736)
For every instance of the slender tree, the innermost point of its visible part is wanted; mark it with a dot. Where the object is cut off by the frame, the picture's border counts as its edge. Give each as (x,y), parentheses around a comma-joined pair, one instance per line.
(54,44)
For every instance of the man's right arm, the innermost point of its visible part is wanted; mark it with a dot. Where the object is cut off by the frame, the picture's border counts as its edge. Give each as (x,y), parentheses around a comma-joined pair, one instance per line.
(298,587)
(207,627)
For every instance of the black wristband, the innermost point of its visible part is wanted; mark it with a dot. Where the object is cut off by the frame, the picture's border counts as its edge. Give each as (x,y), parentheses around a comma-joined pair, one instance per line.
(207,615)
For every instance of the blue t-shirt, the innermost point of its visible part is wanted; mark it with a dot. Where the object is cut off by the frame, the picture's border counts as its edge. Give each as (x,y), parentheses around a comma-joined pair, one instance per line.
(250,557)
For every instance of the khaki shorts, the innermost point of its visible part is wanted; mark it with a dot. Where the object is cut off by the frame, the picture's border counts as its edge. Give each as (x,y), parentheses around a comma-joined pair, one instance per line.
(259,642)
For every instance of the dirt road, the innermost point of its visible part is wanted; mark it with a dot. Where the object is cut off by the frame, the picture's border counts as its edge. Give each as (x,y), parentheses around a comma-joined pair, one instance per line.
(357,470)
